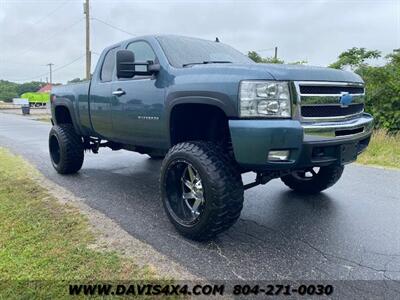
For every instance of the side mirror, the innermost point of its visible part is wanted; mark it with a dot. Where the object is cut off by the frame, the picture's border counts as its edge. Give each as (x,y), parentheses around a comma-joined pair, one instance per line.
(153,68)
(127,67)
(125,61)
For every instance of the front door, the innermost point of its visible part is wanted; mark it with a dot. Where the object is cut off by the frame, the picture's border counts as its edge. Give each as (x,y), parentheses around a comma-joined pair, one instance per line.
(137,104)
(101,97)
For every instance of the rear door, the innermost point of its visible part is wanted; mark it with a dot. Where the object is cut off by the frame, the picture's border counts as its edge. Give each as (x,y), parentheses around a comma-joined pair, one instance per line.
(101,96)
(136,115)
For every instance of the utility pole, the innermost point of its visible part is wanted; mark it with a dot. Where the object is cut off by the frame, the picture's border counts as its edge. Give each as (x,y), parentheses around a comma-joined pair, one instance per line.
(86,11)
(51,73)
(276,53)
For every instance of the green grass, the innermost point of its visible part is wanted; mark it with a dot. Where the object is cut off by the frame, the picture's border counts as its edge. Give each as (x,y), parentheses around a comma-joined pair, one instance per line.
(383,150)
(44,242)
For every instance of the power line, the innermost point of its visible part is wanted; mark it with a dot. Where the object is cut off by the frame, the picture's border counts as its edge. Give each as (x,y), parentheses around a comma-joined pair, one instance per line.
(113,26)
(30,79)
(22,64)
(70,63)
(53,71)
(56,34)
(40,20)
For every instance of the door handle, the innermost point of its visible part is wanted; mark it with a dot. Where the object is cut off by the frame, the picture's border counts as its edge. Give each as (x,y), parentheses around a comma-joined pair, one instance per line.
(118,92)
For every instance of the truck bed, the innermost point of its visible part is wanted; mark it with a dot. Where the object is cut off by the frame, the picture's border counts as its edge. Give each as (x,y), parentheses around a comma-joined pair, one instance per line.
(77,96)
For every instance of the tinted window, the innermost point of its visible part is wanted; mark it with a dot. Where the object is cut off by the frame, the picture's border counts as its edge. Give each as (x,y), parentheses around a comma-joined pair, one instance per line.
(108,65)
(184,50)
(143,53)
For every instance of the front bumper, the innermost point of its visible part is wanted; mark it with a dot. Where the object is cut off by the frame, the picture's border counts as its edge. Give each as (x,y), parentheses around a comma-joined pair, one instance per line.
(310,144)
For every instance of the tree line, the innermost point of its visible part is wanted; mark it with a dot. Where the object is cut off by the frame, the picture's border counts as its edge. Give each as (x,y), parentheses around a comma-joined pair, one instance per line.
(10,90)
(382,83)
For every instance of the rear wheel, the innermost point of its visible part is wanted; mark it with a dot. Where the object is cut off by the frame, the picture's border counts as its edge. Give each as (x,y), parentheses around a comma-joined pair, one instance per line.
(313,180)
(66,149)
(201,189)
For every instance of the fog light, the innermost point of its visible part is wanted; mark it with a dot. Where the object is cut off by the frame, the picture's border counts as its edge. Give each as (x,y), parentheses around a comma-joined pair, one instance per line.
(278,155)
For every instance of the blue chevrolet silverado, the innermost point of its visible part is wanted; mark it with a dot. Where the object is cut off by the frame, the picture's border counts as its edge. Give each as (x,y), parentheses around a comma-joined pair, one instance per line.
(211,114)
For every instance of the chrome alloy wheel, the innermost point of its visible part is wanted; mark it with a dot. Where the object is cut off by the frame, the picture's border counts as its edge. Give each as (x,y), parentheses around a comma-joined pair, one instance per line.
(187,201)
(192,190)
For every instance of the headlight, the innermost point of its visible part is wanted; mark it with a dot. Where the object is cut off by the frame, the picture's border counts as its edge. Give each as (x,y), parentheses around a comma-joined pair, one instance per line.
(264,99)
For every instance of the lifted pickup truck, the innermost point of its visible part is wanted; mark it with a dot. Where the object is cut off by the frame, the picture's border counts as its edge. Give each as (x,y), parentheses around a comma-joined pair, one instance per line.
(212,114)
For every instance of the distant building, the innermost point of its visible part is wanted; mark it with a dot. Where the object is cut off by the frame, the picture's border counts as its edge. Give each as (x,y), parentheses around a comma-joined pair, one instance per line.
(45,89)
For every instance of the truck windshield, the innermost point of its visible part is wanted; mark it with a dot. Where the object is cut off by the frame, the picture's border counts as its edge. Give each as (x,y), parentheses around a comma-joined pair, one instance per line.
(185,51)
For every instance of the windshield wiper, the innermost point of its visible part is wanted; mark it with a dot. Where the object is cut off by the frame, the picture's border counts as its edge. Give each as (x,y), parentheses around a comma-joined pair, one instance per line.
(208,62)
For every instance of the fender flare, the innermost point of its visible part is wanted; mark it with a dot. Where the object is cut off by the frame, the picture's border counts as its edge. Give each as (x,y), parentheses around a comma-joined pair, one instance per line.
(221,101)
(58,102)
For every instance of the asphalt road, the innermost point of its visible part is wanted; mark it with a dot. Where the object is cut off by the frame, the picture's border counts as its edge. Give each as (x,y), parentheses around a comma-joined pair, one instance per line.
(351,231)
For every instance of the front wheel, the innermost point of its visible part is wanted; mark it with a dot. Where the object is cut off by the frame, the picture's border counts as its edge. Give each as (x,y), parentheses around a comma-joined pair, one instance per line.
(313,180)
(201,189)
(66,149)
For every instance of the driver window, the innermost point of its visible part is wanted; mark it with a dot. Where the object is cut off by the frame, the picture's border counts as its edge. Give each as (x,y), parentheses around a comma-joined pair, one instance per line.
(108,66)
(143,53)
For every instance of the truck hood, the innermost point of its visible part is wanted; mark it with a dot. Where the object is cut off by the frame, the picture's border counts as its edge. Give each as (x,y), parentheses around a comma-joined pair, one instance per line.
(281,72)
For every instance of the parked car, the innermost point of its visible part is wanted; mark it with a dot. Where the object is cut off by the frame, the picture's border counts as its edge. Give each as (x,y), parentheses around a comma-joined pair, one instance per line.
(214,114)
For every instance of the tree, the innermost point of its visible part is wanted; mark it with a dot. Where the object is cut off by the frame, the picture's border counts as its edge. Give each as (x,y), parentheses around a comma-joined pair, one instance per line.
(76,80)
(270,60)
(28,87)
(8,90)
(382,84)
(255,56)
(355,58)
(266,60)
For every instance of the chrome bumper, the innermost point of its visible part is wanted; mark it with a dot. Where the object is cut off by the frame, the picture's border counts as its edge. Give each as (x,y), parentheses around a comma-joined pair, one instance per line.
(338,130)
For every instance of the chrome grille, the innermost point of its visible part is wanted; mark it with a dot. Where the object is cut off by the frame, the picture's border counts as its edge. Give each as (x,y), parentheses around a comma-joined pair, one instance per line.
(329,90)
(322,100)
(326,111)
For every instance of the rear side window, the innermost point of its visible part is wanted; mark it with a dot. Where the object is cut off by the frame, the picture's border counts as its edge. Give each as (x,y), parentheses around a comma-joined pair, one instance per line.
(108,65)
(143,53)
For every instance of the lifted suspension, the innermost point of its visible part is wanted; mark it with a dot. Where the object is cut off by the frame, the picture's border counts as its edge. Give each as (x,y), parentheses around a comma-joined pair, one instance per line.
(94,144)
(262,178)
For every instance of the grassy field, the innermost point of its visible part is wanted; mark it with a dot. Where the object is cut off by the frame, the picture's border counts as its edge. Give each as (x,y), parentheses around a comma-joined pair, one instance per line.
(383,150)
(43,243)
